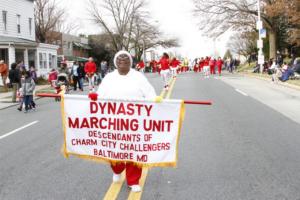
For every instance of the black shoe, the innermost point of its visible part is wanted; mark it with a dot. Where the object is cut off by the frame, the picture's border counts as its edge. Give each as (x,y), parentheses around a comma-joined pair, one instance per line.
(19,109)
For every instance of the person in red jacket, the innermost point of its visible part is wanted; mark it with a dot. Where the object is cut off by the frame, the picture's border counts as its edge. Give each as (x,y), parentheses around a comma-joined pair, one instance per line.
(140,66)
(212,64)
(90,70)
(164,63)
(174,66)
(206,67)
(153,65)
(219,65)
(201,64)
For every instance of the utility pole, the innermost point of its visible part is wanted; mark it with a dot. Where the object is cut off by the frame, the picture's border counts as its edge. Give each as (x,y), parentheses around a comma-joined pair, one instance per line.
(260,42)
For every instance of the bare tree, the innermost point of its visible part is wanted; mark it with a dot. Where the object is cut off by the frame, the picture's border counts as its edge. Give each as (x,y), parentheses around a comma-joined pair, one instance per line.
(49,20)
(122,14)
(218,16)
(243,43)
(126,22)
(146,35)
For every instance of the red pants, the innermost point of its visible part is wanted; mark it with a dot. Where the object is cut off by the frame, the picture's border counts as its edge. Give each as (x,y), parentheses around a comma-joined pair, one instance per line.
(133,172)
(195,69)
(219,69)
(212,70)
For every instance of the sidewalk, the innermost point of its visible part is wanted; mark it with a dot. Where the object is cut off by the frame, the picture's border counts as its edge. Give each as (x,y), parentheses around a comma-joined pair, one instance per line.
(6,98)
(267,78)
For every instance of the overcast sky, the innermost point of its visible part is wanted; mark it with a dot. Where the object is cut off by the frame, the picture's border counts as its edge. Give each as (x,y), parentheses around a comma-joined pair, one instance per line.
(174,17)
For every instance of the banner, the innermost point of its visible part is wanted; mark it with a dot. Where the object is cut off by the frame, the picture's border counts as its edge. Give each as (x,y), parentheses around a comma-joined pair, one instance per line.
(139,131)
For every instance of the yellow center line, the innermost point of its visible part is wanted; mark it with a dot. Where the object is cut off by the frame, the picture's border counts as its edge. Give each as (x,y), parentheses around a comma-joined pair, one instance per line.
(163,92)
(137,196)
(170,89)
(115,188)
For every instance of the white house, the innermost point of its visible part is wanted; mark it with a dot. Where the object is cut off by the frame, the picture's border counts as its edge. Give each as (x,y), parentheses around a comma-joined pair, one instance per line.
(17,37)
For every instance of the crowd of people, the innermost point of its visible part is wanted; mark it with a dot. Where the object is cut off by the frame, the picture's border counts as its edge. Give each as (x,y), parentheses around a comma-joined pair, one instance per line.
(280,70)
(23,82)
(170,67)
(78,73)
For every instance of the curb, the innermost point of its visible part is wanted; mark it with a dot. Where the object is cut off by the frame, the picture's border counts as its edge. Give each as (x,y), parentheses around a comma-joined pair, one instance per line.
(266,79)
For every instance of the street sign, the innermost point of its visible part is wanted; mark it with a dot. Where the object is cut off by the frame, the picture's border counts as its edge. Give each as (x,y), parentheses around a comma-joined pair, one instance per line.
(263,33)
(259,25)
(261,59)
(260,44)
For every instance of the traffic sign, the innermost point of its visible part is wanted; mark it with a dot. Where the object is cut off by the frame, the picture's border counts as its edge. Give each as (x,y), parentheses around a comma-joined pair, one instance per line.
(263,33)
(261,59)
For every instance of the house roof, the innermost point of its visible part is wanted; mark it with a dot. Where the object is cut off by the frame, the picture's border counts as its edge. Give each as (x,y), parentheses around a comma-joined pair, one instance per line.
(81,45)
(17,41)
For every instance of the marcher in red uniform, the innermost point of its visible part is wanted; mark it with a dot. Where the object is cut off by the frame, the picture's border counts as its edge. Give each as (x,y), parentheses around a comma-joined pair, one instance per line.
(90,69)
(153,65)
(212,64)
(164,63)
(201,64)
(174,66)
(140,66)
(219,65)
(206,67)
(196,67)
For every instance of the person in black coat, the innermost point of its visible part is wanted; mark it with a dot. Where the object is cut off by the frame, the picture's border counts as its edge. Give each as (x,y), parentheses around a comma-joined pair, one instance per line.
(81,75)
(15,80)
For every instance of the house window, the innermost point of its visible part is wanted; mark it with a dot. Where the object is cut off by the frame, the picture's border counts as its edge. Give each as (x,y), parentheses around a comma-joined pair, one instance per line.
(43,60)
(19,23)
(30,25)
(50,61)
(4,18)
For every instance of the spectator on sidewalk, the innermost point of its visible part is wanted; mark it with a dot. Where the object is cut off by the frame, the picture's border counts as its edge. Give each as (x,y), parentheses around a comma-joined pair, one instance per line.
(20,95)
(104,68)
(33,73)
(4,73)
(81,75)
(296,66)
(28,87)
(287,72)
(74,75)
(90,70)
(52,77)
(14,79)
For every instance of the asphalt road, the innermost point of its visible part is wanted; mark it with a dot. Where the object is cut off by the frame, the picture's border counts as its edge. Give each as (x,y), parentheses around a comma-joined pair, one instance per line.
(239,148)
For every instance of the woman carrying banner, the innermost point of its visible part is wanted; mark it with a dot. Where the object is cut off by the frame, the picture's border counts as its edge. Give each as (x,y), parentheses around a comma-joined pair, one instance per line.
(125,83)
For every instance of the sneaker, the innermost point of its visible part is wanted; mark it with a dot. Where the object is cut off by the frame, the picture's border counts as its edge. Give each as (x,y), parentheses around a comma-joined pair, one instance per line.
(25,111)
(116,178)
(135,188)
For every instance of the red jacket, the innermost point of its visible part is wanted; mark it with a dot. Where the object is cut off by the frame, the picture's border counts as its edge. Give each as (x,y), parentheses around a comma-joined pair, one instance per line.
(219,63)
(90,68)
(212,62)
(174,63)
(201,63)
(206,62)
(141,65)
(164,63)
